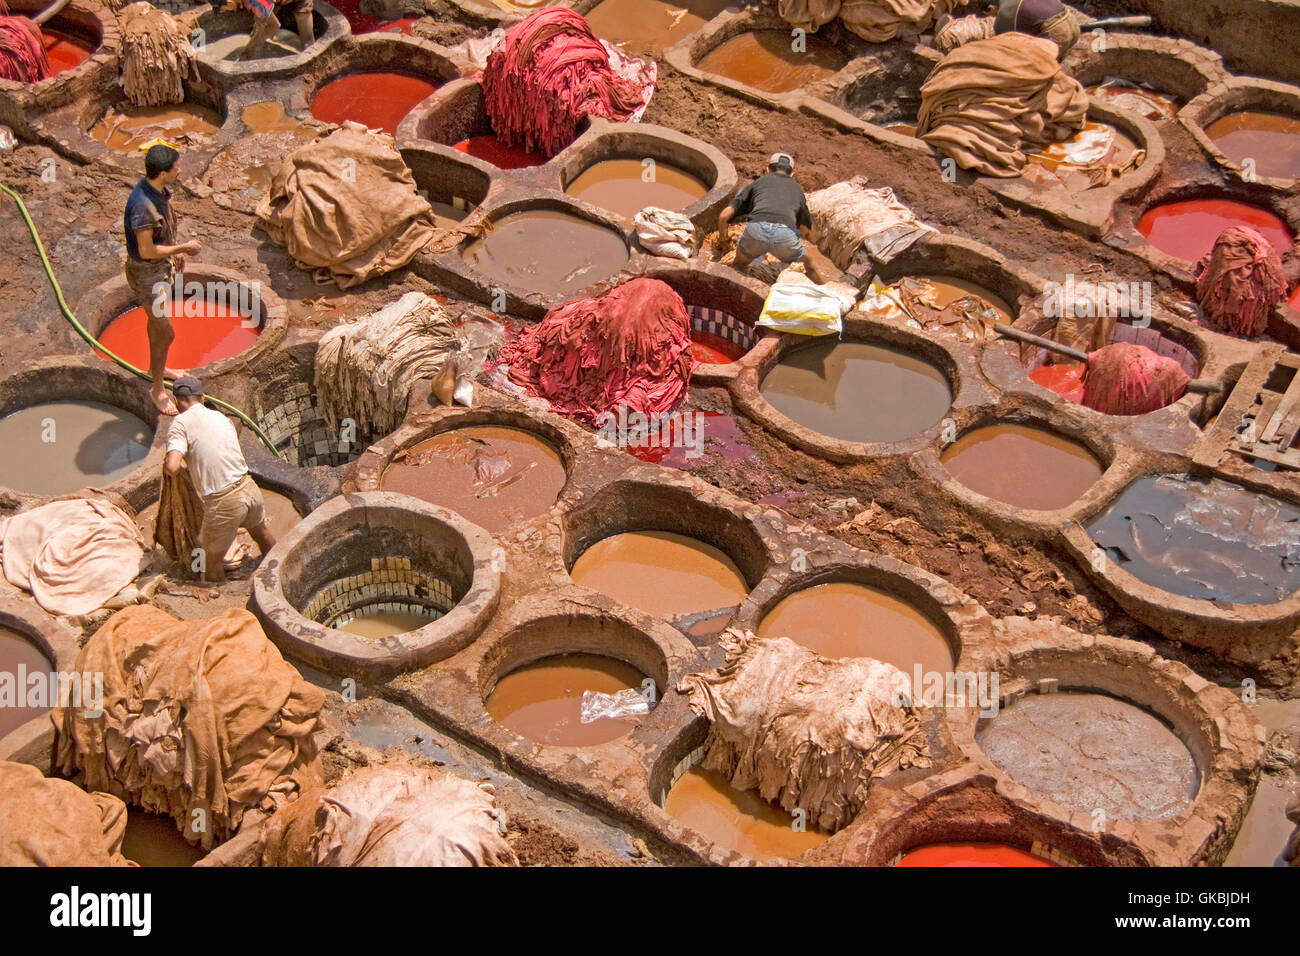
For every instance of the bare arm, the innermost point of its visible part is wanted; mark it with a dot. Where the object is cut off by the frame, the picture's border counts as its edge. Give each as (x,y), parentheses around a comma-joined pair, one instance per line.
(149,251)
(173,463)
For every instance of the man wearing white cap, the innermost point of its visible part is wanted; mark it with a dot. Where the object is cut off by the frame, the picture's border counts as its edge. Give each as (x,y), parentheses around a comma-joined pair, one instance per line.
(776,214)
(205,441)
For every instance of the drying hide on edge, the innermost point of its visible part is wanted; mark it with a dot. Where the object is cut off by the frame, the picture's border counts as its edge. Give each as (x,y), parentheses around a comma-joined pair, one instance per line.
(366,370)
(550,73)
(851,217)
(805,731)
(808,15)
(988,98)
(156,55)
(1240,282)
(201,715)
(389,815)
(45,821)
(347,202)
(630,346)
(72,555)
(879,20)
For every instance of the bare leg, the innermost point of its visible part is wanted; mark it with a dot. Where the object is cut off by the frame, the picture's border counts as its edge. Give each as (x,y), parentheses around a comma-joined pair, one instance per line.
(306,29)
(213,570)
(740,263)
(263,536)
(820,268)
(262,31)
(161,335)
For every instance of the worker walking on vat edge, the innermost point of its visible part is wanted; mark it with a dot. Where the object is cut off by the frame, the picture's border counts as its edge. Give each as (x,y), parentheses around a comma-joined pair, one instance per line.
(205,441)
(267,22)
(1049,19)
(776,214)
(152,260)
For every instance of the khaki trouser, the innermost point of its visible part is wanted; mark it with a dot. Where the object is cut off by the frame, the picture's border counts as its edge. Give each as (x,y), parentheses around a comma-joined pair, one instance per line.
(228,510)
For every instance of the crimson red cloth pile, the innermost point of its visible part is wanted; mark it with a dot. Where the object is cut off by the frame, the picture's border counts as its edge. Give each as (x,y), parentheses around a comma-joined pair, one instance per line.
(549,74)
(1128,379)
(22,51)
(1240,281)
(630,347)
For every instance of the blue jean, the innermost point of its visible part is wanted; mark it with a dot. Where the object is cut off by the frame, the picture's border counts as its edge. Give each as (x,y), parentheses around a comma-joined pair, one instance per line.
(760,237)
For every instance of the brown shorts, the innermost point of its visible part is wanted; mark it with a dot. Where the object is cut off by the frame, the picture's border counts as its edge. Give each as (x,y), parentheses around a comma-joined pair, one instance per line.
(225,512)
(144,277)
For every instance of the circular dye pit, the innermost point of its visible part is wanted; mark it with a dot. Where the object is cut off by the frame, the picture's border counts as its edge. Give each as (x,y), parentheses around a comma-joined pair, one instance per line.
(1091,752)
(378,624)
(229,46)
(662,573)
(494,476)
(363,22)
(1204,539)
(206,332)
(626,186)
(64,51)
(542,701)
(1270,140)
(542,250)
(650,26)
(378,100)
(764,60)
(1188,230)
(1137,98)
(856,391)
(1071,161)
(19,659)
(152,839)
(1065,380)
(714,349)
(937,293)
(268,116)
(1029,468)
(57,447)
(492,150)
(127,130)
(971,854)
(843,619)
(739,820)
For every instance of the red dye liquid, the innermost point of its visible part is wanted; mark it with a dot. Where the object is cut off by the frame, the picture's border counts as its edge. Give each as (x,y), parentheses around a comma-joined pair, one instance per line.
(1064,380)
(365,23)
(377,100)
(1188,230)
(200,339)
(971,854)
(63,50)
(676,447)
(492,150)
(1294,301)
(714,349)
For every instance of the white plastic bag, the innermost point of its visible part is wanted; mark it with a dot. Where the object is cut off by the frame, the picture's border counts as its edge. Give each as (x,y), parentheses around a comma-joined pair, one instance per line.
(664,233)
(803,309)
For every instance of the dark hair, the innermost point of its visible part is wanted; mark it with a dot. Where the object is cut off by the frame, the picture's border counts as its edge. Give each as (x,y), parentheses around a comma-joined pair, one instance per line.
(159,159)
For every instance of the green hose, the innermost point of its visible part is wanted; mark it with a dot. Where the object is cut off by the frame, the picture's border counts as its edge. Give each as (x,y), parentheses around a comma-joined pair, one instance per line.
(85,334)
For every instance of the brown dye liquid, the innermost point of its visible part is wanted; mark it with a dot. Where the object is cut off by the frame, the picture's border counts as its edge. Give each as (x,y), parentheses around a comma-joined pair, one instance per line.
(1090,752)
(269,117)
(493,476)
(93,445)
(152,839)
(650,26)
(1272,140)
(660,572)
(184,125)
(1152,104)
(377,625)
(764,60)
(1027,467)
(739,820)
(843,619)
(620,186)
(231,45)
(543,700)
(546,251)
(858,392)
(447,216)
(948,290)
(17,650)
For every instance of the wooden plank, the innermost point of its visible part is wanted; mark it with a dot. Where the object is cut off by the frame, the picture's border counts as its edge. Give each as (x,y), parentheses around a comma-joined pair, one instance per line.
(1290,403)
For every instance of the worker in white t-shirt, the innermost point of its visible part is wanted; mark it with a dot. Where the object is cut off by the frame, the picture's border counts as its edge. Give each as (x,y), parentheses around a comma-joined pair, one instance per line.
(205,441)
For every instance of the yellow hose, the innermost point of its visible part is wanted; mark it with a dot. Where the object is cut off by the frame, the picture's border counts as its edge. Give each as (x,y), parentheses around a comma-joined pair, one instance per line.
(85,334)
